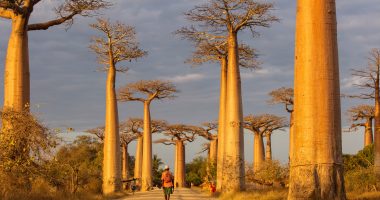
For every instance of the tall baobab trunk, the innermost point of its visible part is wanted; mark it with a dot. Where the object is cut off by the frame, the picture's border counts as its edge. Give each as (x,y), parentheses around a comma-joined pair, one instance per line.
(268,149)
(16,76)
(125,173)
(377,127)
(111,161)
(175,165)
(221,122)
(316,170)
(179,180)
(213,151)
(138,160)
(291,136)
(146,177)
(258,152)
(368,138)
(233,168)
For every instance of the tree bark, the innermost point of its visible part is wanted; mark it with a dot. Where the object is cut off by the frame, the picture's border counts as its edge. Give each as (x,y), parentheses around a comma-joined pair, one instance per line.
(233,167)
(125,174)
(377,127)
(368,137)
(16,76)
(221,122)
(268,149)
(258,152)
(138,160)
(112,158)
(316,170)
(146,178)
(291,136)
(179,180)
(213,151)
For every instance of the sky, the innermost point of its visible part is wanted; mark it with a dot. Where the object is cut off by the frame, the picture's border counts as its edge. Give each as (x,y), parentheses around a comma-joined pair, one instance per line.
(67,91)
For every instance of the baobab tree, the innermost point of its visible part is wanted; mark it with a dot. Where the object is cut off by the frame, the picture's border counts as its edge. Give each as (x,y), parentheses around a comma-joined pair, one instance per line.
(117,44)
(17,78)
(207,133)
(285,96)
(231,17)
(214,48)
(179,134)
(357,115)
(260,126)
(135,126)
(316,166)
(369,80)
(125,139)
(98,132)
(151,90)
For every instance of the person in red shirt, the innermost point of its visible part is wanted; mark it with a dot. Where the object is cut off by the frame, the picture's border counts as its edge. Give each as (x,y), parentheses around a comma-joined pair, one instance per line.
(167,182)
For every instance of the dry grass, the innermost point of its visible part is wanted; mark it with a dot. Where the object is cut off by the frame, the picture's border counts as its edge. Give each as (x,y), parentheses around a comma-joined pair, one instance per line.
(363,196)
(277,194)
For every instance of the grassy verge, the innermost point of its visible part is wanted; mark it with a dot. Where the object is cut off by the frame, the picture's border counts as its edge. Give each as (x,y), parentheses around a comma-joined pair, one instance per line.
(277,194)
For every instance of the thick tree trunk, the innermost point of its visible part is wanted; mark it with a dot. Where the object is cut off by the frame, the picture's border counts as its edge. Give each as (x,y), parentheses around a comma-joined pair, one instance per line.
(368,137)
(316,170)
(258,152)
(112,158)
(16,75)
(176,165)
(268,149)
(377,128)
(179,180)
(125,173)
(233,168)
(221,122)
(138,160)
(146,177)
(291,136)
(213,151)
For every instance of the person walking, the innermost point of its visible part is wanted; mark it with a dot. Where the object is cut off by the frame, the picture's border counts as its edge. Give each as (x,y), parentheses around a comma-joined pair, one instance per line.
(167,182)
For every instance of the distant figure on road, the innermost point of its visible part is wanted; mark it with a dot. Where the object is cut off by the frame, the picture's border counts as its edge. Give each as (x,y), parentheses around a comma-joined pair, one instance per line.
(167,182)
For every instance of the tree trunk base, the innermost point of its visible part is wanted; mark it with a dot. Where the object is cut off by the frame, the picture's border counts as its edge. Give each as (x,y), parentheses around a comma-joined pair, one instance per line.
(317,181)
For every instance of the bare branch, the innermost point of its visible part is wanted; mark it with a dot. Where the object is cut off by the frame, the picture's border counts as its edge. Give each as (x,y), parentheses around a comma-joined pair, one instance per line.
(6,14)
(284,96)
(118,44)
(264,124)
(233,15)
(152,89)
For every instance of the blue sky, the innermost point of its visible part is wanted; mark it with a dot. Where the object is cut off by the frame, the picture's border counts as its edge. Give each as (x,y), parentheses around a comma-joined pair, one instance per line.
(68,92)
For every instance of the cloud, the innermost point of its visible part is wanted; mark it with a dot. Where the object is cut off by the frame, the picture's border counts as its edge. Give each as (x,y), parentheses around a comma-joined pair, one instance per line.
(185,78)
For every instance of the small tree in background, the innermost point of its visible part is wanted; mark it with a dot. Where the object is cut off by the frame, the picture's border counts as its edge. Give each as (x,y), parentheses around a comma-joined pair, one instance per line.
(24,147)
(359,113)
(179,134)
(262,125)
(155,89)
(285,96)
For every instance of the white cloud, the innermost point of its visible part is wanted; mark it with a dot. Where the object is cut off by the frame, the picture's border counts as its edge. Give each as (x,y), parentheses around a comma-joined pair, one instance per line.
(186,78)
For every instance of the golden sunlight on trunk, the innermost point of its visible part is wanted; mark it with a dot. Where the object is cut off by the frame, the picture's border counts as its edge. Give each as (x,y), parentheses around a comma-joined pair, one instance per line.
(368,137)
(221,122)
(233,168)
(258,152)
(112,158)
(179,180)
(138,160)
(316,170)
(291,136)
(125,172)
(16,76)
(213,151)
(268,147)
(146,175)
